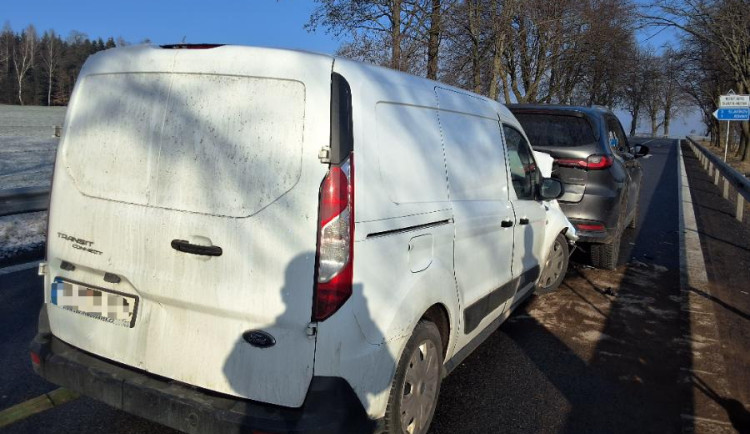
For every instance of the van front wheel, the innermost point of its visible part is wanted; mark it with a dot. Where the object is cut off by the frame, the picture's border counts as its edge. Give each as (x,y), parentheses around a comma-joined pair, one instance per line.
(555,267)
(416,385)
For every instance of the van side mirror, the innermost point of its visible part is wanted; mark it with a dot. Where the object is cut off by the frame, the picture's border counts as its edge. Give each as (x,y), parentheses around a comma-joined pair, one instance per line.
(550,188)
(640,150)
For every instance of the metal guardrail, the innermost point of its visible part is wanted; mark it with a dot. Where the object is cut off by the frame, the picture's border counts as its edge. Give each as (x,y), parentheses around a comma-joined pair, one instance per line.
(721,170)
(21,200)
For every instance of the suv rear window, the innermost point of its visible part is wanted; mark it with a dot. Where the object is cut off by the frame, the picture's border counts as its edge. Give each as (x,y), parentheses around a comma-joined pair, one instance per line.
(549,130)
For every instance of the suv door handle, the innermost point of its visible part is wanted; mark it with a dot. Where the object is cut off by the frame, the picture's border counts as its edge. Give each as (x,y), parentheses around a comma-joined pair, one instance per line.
(506,223)
(523,221)
(196,249)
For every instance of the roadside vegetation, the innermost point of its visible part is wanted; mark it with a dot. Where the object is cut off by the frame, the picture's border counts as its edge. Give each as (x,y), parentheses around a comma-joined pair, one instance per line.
(562,52)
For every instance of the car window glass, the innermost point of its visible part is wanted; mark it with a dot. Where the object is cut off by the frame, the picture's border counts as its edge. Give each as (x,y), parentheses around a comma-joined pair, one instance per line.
(552,130)
(524,173)
(616,135)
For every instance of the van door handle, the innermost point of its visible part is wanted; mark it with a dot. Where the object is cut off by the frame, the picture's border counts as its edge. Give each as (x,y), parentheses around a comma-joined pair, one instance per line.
(506,223)
(523,221)
(196,249)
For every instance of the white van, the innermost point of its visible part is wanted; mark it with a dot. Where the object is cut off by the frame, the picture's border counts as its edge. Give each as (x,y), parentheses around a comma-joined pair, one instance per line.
(251,238)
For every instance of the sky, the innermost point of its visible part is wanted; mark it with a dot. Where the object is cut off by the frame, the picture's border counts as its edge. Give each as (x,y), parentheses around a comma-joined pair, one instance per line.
(270,23)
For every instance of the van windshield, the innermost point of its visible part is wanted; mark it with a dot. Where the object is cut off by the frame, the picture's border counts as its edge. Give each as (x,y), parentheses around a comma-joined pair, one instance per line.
(552,130)
(201,143)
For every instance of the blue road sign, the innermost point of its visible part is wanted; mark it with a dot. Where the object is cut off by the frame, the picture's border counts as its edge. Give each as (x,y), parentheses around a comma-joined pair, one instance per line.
(733,114)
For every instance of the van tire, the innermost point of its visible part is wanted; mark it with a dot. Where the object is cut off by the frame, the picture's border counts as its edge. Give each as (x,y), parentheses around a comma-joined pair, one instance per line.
(555,266)
(605,255)
(424,341)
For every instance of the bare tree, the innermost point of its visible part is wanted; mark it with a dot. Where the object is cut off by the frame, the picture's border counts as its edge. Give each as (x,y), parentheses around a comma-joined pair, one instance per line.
(723,24)
(433,44)
(50,55)
(637,84)
(24,56)
(501,16)
(652,99)
(674,98)
(370,22)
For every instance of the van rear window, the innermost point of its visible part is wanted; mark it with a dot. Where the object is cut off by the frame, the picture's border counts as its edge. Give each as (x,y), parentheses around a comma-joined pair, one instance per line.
(200,143)
(550,130)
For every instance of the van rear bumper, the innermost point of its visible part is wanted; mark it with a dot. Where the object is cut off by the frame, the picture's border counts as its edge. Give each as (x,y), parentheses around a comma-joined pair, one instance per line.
(330,405)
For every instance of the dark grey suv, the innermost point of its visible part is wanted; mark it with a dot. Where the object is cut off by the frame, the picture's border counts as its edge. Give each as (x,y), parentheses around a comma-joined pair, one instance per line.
(599,169)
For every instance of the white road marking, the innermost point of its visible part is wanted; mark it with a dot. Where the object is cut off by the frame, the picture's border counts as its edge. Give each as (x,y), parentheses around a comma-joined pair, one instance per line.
(19,267)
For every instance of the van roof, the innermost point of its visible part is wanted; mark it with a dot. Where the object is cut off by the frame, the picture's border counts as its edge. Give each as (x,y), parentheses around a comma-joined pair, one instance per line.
(153,58)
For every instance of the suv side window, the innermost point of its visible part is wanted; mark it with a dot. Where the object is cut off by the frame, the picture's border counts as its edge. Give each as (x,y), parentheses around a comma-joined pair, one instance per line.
(523,171)
(616,136)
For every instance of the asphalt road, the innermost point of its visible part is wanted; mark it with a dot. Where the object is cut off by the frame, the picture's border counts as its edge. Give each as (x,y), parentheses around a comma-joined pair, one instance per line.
(605,353)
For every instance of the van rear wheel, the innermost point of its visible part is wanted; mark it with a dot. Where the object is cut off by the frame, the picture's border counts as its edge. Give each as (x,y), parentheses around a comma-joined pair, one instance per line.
(555,267)
(416,385)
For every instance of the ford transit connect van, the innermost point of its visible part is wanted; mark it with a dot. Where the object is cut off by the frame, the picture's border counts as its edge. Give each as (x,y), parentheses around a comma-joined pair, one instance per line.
(272,240)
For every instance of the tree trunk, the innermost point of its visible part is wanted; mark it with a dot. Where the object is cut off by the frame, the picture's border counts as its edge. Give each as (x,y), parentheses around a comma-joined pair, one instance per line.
(473,8)
(20,88)
(745,155)
(654,125)
(396,35)
(497,58)
(434,42)
(666,126)
(49,89)
(634,121)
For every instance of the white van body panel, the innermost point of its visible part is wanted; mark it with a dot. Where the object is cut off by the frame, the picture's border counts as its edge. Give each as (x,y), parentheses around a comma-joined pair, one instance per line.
(431,189)
(403,234)
(234,166)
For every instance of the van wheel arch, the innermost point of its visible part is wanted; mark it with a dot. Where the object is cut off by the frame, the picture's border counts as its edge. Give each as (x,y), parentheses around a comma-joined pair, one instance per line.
(438,315)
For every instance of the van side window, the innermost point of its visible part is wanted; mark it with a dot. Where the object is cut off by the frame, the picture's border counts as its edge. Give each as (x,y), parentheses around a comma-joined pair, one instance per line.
(523,170)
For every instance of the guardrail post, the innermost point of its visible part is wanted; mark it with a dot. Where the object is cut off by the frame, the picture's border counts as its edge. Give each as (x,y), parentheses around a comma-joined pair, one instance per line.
(716,176)
(58,130)
(726,188)
(740,207)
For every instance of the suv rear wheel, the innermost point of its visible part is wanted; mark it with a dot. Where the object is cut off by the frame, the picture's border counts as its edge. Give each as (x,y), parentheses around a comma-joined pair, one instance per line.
(605,255)
(416,385)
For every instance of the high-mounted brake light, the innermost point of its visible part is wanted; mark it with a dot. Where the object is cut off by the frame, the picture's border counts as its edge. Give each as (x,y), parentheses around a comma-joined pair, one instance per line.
(334,271)
(191,46)
(593,162)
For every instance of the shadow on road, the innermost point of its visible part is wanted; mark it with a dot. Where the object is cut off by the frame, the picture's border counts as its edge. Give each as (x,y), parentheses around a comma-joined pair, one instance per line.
(605,353)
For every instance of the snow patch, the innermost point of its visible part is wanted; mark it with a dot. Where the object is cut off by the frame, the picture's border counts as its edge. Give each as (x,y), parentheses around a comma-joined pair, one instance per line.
(22,233)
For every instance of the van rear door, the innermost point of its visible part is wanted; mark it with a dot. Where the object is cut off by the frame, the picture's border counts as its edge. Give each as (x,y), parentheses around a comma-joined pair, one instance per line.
(197,190)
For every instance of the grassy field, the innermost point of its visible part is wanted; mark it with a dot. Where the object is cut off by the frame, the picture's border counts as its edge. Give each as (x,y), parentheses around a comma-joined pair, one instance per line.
(27,145)
(27,155)
(30,121)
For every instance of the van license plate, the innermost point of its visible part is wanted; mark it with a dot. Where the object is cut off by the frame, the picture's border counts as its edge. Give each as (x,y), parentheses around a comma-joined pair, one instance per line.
(112,307)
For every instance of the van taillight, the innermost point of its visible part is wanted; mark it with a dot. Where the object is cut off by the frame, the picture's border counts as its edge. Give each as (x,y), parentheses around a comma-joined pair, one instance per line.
(335,255)
(593,162)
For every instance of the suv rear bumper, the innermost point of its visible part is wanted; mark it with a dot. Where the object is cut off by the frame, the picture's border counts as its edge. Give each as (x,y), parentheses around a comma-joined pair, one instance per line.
(330,405)
(593,209)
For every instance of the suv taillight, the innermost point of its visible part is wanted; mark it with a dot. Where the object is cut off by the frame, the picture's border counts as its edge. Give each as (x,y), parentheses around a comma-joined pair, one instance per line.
(593,162)
(335,255)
